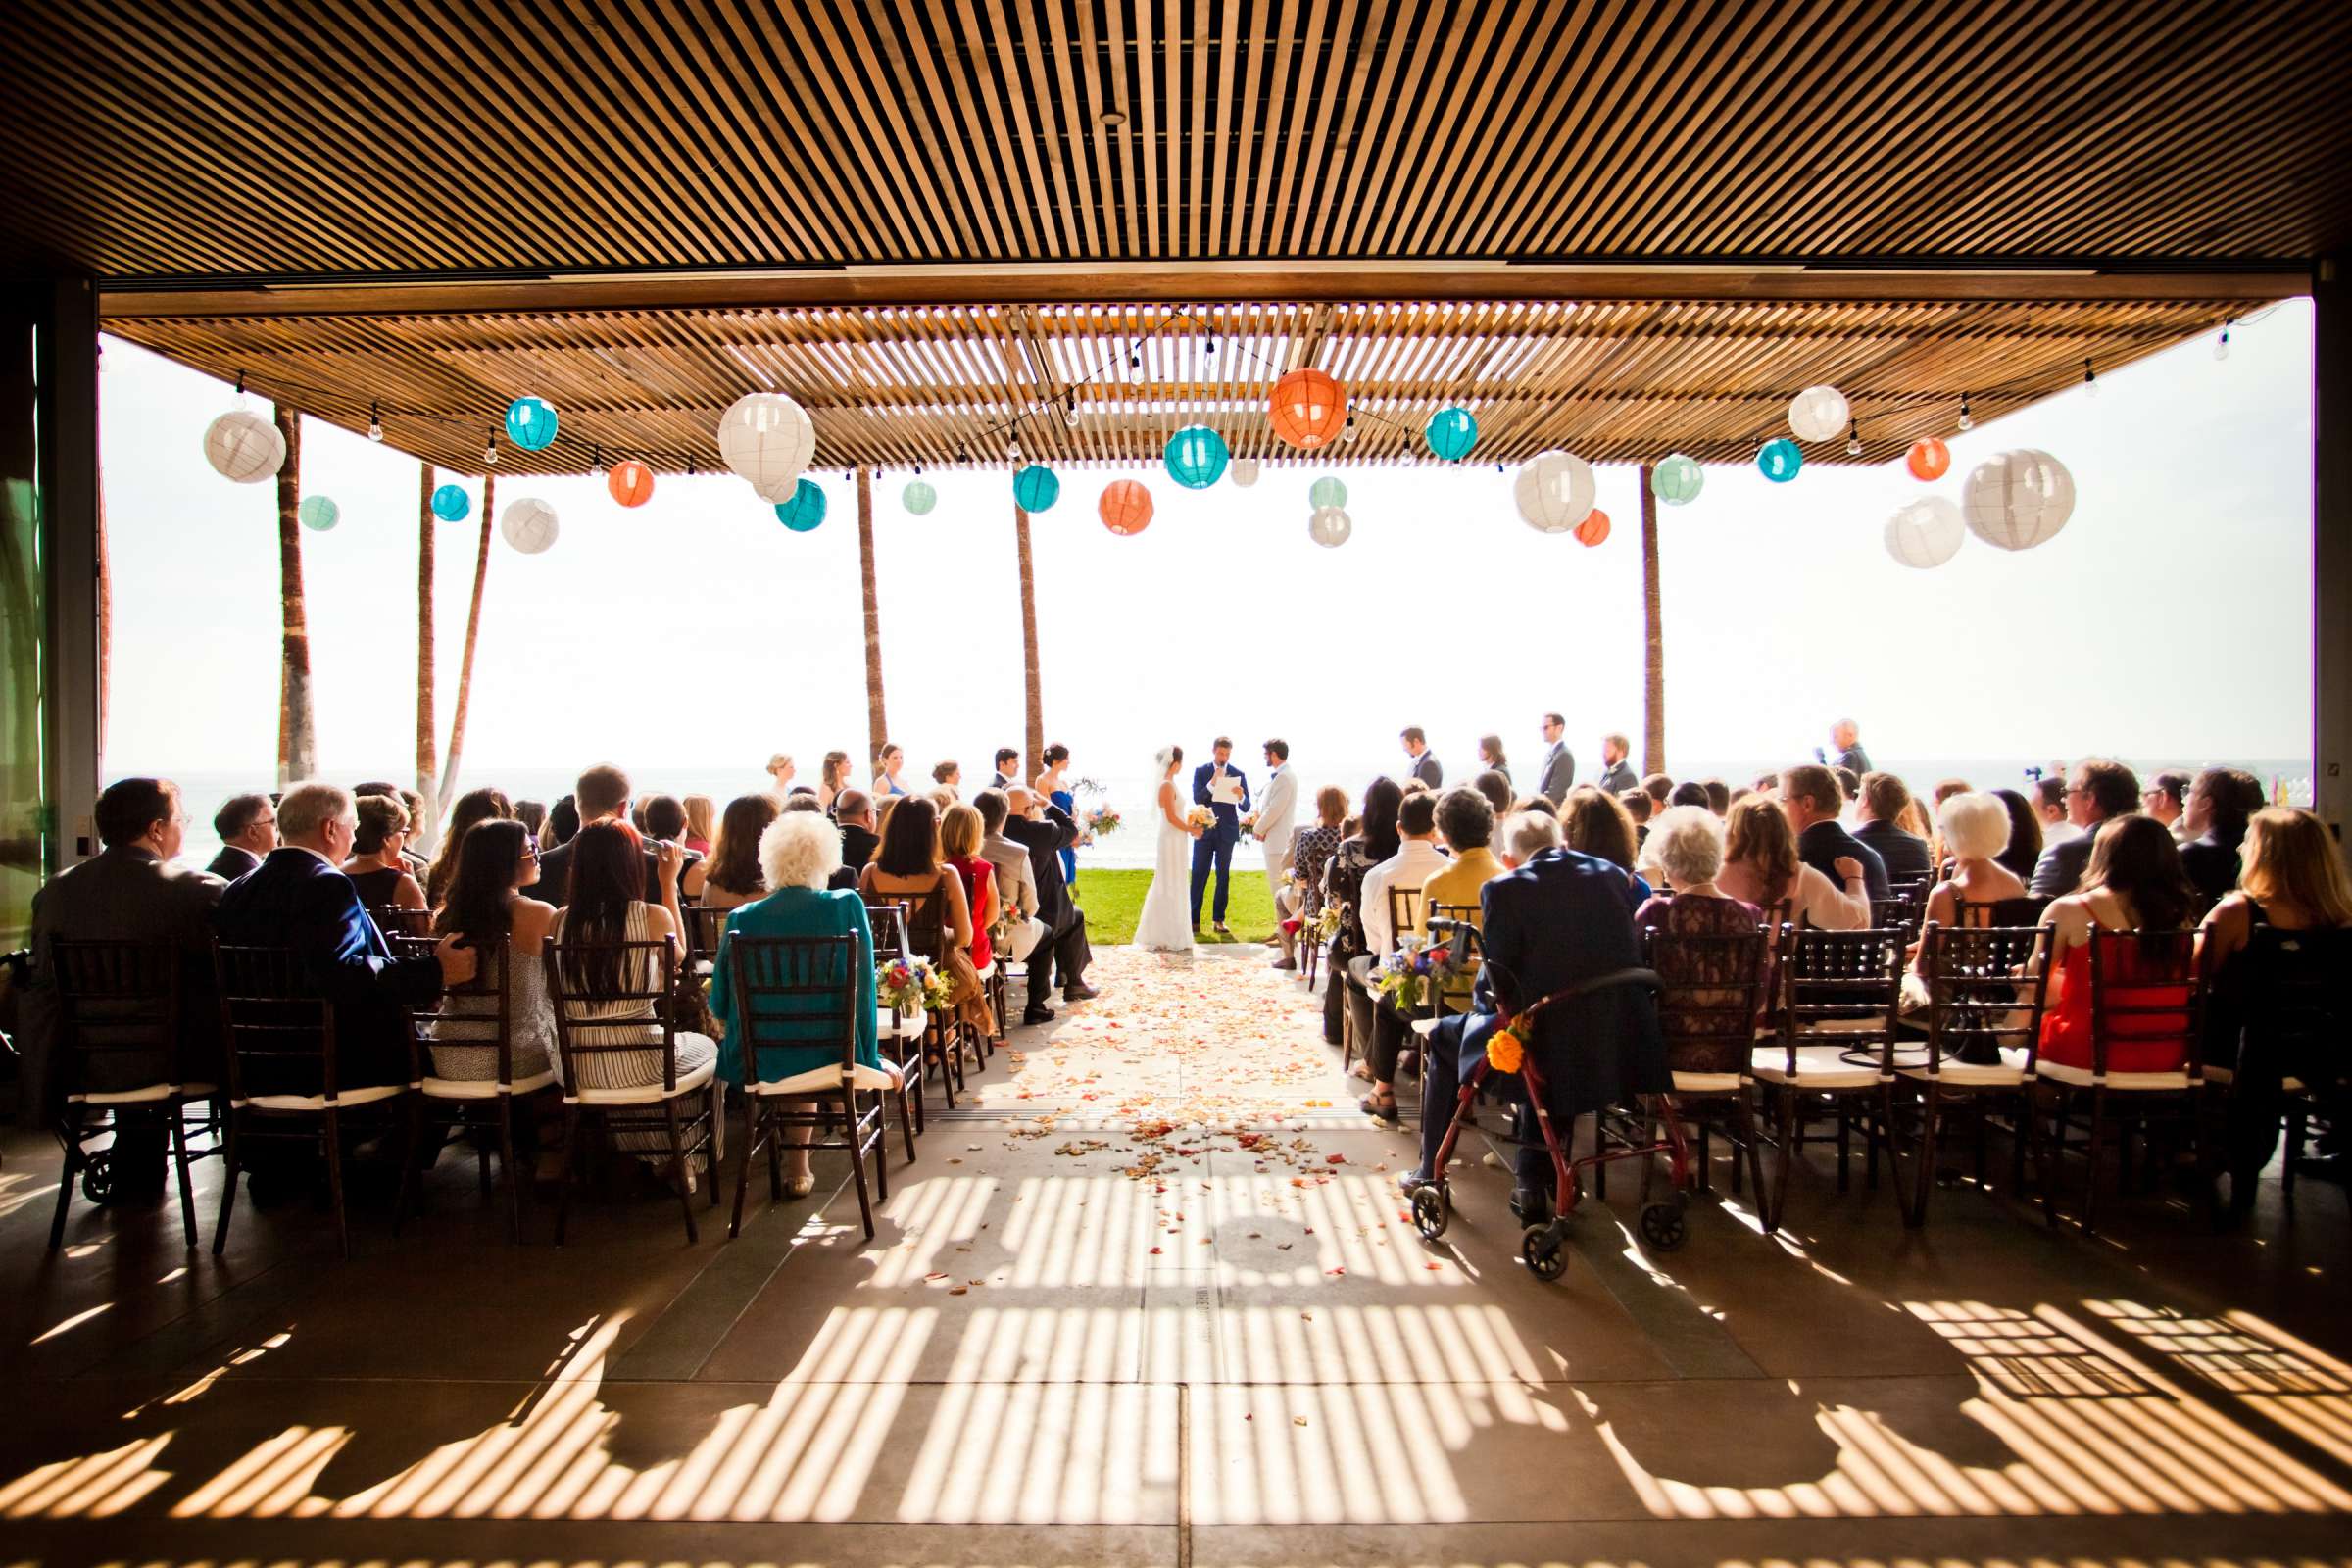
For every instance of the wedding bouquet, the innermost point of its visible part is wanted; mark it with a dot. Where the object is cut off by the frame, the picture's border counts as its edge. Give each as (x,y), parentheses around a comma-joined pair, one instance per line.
(1102,819)
(1200,817)
(1405,975)
(901,986)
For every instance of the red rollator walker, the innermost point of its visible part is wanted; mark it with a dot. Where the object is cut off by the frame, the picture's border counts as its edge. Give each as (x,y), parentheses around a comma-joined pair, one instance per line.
(1617,1136)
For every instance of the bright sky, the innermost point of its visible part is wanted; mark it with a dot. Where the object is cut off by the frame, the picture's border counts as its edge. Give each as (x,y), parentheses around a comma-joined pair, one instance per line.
(2170,619)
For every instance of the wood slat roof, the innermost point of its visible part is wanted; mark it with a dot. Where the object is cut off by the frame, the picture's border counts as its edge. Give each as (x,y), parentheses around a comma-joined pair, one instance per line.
(207,139)
(937,385)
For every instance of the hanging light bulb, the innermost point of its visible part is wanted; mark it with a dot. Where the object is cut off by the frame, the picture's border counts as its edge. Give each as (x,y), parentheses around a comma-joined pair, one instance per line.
(490,451)
(375,424)
(1069,412)
(1014,449)
(2221,346)
(1211,347)
(2090,380)
(1967,421)
(688,468)
(1853,438)
(1347,432)
(1135,361)
(596,462)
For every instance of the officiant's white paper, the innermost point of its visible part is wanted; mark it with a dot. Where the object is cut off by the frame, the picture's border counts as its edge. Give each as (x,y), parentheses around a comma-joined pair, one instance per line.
(1226,789)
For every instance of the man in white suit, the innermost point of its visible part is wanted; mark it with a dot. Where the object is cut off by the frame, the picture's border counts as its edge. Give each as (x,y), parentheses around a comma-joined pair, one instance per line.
(1559,762)
(1277,810)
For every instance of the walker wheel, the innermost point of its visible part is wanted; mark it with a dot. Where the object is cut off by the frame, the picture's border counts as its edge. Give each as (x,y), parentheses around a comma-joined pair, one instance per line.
(1430,1211)
(1545,1254)
(1663,1226)
(98,1179)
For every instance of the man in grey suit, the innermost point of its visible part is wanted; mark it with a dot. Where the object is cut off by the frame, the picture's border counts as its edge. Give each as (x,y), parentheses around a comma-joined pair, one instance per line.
(1616,774)
(2097,791)
(1276,825)
(247,827)
(1425,761)
(1559,762)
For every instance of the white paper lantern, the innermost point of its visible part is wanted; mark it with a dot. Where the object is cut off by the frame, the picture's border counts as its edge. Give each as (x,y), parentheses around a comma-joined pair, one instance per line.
(1925,533)
(1243,471)
(766,438)
(244,447)
(1554,491)
(2018,499)
(1329,527)
(528,525)
(1819,414)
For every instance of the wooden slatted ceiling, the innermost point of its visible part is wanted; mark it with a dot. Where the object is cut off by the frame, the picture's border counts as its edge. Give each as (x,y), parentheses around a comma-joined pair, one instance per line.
(940,385)
(242,139)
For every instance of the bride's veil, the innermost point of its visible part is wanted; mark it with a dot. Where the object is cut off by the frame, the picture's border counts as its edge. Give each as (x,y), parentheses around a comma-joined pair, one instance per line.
(1161,760)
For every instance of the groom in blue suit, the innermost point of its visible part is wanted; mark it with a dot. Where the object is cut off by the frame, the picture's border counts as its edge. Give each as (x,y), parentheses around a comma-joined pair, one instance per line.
(1215,843)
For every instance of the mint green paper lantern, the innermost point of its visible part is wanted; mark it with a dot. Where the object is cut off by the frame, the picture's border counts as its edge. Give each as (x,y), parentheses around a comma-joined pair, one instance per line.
(918,498)
(805,511)
(1779,460)
(1327,491)
(1451,433)
(319,513)
(1678,480)
(1196,456)
(1036,488)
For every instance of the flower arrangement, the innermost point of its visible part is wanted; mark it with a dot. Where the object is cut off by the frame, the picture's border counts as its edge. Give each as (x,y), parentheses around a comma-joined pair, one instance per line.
(1507,1049)
(1200,817)
(913,986)
(1102,819)
(1405,975)
(1326,923)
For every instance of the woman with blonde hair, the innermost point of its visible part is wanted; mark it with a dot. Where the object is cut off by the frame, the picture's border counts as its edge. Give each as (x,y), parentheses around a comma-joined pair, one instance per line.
(702,816)
(832,778)
(1760,867)
(1974,829)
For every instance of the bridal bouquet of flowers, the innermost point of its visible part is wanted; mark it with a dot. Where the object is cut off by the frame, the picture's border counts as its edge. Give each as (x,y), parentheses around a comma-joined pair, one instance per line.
(1102,819)
(1405,976)
(1200,817)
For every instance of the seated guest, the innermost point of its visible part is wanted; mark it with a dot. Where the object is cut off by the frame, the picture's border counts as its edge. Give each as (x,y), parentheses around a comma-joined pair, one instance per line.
(1976,829)
(490,906)
(1849,785)
(1016,877)
(1490,758)
(701,823)
(2134,882)
(1660,789)
(532,814)
(1313,847)
(1541,805)
(1639,808)
(1937,855)
(247,827)
(799,854)
(1760,866)
(2097,791)
(1416,860)
(959,837)
(128,891)
(1375,840)
(666,823)
(831,779)
(1810,797)
(562,822)
(602,795)
(854,810)
(1466,827)
(1601,826)
(1496,789)
(1616,774)
(947,775)
(888,766)
(1689,792)
(1007,770)
(1689,842)
(1558,919)
(474,807)
(731,876)
(297,898)
(911,865)
(2220,805)
(2049,804)
(377,869)
(2023,850)
(1718,796)
(2165,799)
(1878,818)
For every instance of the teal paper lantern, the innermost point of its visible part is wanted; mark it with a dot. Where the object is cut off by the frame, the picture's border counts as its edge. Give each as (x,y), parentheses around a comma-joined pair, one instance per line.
(1036,488)
(531,423)
(805,511)
(319,513)
(1196,456)
(1326,492)
(1451,433)
(1779,459)
(451,502)
(918,498)
(1678,480)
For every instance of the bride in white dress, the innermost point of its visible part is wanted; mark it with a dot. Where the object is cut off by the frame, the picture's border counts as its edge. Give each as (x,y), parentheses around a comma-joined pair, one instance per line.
(1166,925)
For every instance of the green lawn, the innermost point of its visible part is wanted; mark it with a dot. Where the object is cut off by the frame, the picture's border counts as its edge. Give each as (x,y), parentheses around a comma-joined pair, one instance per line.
(1113,902)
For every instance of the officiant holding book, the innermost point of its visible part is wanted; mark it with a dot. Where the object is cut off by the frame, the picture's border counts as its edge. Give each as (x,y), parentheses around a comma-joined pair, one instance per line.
(1218,785)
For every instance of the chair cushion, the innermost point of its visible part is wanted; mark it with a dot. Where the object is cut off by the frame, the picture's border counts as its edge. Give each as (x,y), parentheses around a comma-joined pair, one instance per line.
(2009,1072)
(484,1088)
(896,1026)
(988,970)
(1823,1067)
(343,1099)
(146,1096)
(824,1080)
(2227,1076)
(1425,1027)
(652,1094)
(2140,1082)
(1707,1083)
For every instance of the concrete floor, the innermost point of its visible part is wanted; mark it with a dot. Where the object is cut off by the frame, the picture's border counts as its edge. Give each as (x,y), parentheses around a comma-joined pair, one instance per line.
(1216,1342)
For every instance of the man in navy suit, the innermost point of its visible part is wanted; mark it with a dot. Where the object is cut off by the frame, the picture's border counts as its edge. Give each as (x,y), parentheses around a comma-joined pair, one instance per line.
(1214,846)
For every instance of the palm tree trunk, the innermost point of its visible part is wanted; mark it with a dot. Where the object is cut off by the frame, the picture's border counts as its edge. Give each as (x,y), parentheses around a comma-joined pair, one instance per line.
(1035,730)
(474,630)
(106,622)
(877,726)
(428,765)
(1653,696)
(297,736)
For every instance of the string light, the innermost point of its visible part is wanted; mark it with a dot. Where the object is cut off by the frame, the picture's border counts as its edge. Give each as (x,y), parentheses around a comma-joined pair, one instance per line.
(1347,431)
(688,468)
(375,424)
(2090,380)
(1853,438)
(1967,421)
(596,462)
(1014,449)
(2221,347)
(490,451)
(1070,415)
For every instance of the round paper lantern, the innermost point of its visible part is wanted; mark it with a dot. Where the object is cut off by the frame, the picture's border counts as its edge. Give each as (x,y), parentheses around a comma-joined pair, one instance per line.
(1779,460)
(1036,488)
(1929,459)
(531,423)
(1329,527)
(528,525)
(1450,434)
(1554,491)
(806,510)
(451,502)
(319,513)
(243,446)
(918,498)
(766,438)
(1594,530)
(1196,456)
(1309,409)
(1125,507)
(1678,480)
(2016,499)
(1326,492)
(630,483)
(1819,414)
(1243,471)
(1926,532)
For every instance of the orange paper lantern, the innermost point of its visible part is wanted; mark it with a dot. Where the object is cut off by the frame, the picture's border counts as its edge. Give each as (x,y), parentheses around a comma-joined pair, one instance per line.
(1929,459)
(631,483)
(1125,507)
(1594,530)
(1309,409)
